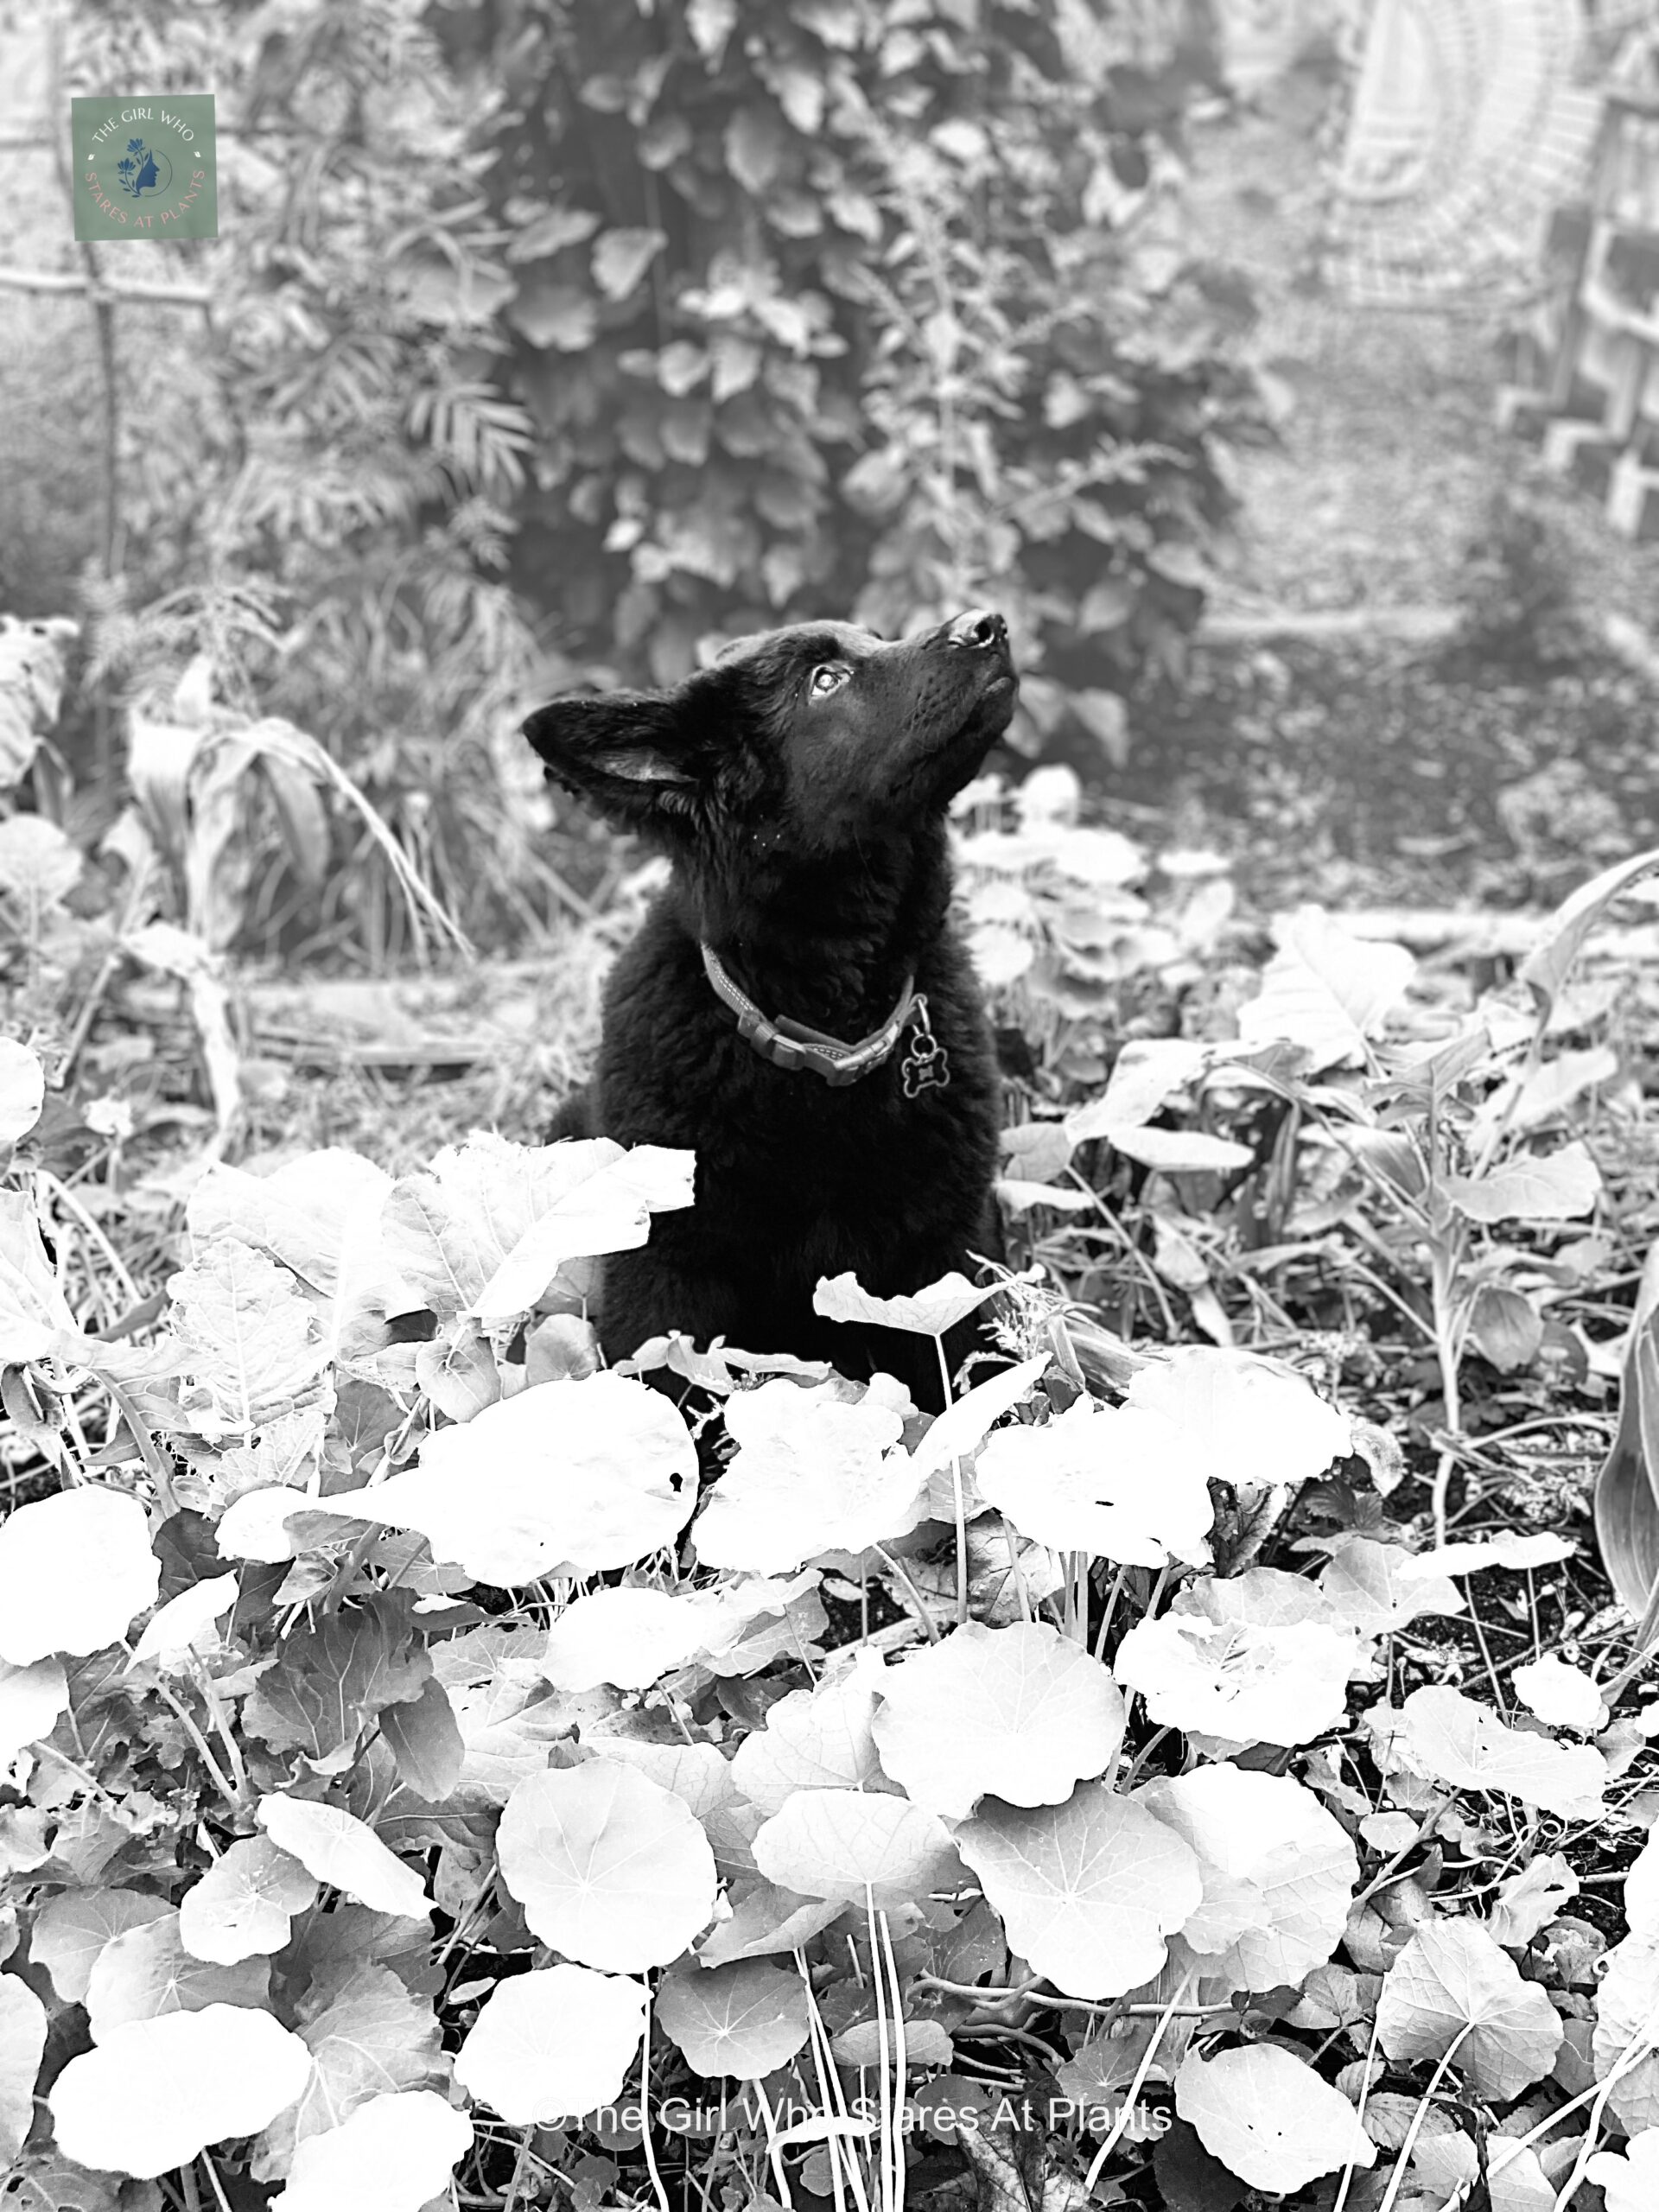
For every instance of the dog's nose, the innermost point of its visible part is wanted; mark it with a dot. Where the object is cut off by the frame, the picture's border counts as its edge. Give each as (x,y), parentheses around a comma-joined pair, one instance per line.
(980,626)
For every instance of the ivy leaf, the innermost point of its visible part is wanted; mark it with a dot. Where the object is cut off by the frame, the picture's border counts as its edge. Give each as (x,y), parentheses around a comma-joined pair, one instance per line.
(160,2091)
(1452,1984)
(245,1904)
(622,258)
(564,318)
(373,2037)
(552,2043)
(392,2153)
(74,1568)
(611,1868)
(754,150)
(746,2020)
(1268,2118)
(1087,1891)
(1018,1713)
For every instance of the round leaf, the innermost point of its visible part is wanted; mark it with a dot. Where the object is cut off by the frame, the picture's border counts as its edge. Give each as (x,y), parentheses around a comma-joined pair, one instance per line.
(746,2020)
(927,1312)
(1451,1978)
(31,1698)
(1016,1713)
(1122,1484)
(392,2153)
(611,1868)
(1248,1684)
(22,2041)
(160,2091)
(73,1930)
(22,1090)
(830,1843)
(552,2043)
(1253,1423)
(1087,1891)
(340,1849)
(244,1905)
(814,1739)
(1268,2118)
(630,1636)
(585,1475)
(74,1568)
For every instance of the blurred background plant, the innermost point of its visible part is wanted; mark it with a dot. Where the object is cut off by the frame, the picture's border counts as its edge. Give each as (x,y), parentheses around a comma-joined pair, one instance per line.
(545,343)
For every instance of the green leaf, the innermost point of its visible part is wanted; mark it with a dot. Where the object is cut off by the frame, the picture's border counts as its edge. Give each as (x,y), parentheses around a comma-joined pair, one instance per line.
(622,258)
(1559,1186)
(425,1741)
(1545,969)
(711,23)
(334,1677)
(559,316)
(548,232)
(372,2038)
(754,149)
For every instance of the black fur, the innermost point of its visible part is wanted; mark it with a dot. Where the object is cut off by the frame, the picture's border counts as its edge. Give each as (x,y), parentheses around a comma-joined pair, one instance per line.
(806,829)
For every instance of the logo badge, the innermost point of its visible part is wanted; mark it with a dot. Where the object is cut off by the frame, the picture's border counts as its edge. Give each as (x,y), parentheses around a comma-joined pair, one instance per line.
(145,167)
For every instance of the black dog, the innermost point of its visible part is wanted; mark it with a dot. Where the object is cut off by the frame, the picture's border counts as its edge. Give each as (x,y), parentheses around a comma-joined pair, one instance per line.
(798,1007)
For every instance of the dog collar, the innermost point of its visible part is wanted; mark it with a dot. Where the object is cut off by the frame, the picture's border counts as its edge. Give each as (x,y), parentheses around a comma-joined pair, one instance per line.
(792,1045)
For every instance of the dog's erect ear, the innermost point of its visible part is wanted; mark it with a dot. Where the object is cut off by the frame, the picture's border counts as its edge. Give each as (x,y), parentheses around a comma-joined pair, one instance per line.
(623,751)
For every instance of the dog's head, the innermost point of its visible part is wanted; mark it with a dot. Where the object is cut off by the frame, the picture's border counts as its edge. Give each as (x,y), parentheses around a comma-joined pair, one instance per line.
(811,738)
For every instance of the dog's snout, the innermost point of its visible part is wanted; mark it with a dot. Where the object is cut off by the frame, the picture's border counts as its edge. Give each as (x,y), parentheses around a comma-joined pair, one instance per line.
(980,626)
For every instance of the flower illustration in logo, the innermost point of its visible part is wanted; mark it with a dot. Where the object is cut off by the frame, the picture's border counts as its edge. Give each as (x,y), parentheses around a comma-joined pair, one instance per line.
(143,170)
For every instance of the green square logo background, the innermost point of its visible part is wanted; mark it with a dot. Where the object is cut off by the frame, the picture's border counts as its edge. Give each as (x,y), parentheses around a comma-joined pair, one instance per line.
(169,187)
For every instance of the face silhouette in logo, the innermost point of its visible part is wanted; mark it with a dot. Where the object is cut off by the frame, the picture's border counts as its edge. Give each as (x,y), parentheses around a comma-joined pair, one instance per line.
(143,170)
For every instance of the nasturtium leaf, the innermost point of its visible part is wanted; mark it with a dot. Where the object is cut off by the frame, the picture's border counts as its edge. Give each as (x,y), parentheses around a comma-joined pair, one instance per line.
(1324,989)
(392,2153)
(552,2043)
(1284,1684)
(72,1927)
(1456,1740)
(1627,2003)
(819,1738)
(373,2037)
(610,1868)
(255,1525)
(244,1905)
(1252,1423)
(22,1090)
(1447,2169)
(22,2041)
(766,1920)
(1367,1588)
(1087,1891)
(74,1568)
(146,1971)
(1630,2184)
(1122,1484)
(811,1473)
(1529,1899)
(746,2020)
(1562,1696)
(927,2044)
(31,1698)
(833,1843)
(588,1475)
(1017,1712)
(629,1637)
(927,1312)
(187,1622)
(965,1425)
(160,2090)
(1515,1552)
(699,1773)
(1452,1977)
(1554,1186)
(340,1849)
(1279,1872)
(1269,2118)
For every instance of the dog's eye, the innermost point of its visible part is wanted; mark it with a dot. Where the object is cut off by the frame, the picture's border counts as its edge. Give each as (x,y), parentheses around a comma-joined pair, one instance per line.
(828,678)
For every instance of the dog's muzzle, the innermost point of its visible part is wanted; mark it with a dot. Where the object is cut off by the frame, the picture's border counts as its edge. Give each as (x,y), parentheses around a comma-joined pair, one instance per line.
(980,628)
